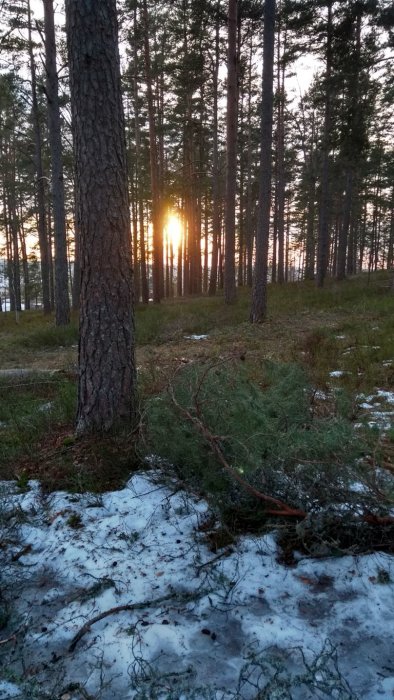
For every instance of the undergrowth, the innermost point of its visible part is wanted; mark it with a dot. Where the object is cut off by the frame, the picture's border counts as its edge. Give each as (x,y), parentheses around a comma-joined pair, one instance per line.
(262,425)
(265,428)
(271,674)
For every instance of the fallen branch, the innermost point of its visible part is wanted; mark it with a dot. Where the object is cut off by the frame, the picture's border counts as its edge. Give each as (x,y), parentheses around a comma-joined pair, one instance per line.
(12,638)
(224,553)
(378,519)
(130,607)
(282,509)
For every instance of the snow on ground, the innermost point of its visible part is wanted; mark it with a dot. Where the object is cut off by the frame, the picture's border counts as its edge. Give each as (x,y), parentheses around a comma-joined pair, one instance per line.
(378,408)
(226,620)
(196,337)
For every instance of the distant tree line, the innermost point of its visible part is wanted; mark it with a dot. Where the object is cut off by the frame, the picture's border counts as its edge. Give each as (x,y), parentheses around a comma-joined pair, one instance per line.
(195,107)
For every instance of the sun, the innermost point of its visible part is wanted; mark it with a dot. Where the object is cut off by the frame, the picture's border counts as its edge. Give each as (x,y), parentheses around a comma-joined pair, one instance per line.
(173,229)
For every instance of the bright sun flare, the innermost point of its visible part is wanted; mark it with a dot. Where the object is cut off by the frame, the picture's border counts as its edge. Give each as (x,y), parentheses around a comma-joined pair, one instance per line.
(173,230)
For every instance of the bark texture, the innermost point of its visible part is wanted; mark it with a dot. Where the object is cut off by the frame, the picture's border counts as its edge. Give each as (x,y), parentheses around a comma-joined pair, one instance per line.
(106,346)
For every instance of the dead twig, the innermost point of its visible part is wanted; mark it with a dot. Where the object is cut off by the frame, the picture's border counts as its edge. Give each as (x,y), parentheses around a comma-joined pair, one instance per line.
(130,607)
(11,638)
(225,553)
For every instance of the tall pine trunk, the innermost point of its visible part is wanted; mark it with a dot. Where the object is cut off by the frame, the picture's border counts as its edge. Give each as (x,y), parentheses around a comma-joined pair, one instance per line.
(62,302)
(106,390)
(259,296)
(42,229)
(231,143)
(324,211)
(158,270)
(215,170)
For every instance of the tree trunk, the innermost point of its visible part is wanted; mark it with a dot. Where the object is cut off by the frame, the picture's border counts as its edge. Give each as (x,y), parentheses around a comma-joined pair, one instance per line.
(249,218)
(76,288)
(281,166)
(231,143)
(62,301)
(138,178)
(158,276)
(259,296)
(106,391)
(324,212)
(343,234)
(215,170)
(42,231)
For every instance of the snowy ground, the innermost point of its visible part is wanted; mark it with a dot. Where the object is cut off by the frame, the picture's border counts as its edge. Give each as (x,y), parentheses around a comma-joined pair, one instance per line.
(235,621)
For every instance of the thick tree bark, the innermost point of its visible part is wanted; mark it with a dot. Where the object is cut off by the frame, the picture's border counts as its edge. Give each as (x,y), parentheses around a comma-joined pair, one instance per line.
(62,301)
(259,296)
(106,392)
(231,143)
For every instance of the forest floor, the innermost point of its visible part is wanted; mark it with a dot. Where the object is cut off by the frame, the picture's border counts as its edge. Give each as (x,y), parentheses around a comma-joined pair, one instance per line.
(220,598)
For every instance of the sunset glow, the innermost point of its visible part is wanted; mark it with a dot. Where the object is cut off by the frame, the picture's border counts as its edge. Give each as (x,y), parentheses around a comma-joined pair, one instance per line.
(173,229)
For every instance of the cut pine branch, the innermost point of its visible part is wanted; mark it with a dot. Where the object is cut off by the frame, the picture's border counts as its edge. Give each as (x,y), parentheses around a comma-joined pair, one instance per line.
(280,509)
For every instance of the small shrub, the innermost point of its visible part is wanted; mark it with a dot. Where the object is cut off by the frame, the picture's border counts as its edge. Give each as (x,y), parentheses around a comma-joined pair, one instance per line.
(75,521)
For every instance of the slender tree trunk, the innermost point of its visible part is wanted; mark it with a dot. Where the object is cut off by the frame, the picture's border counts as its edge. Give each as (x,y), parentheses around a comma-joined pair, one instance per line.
(259,296)
(231,165)
(16,278)
(158,276)
(50,257)
(106,390)
(215,170)
(390,252)
(324,212)
(76,288)
(138,177)
(136,261)
(281,167)
(62,301)
(343,234)
(249,218)
(206,237)
(25,268)
(42,231)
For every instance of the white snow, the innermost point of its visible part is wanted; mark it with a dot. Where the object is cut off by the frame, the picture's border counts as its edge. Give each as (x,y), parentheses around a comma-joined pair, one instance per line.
(377,409)
(196,337)
(142,543)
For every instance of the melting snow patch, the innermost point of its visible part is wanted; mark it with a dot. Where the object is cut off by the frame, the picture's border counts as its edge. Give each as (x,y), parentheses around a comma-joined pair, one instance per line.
(196,337)
(8,691)
(377,407)
(45,407)
(135,595)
